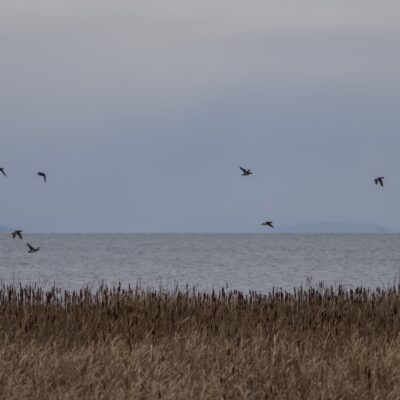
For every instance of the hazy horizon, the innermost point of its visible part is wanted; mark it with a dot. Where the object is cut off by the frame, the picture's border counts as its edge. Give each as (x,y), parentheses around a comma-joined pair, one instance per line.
(141,114)
(312,228)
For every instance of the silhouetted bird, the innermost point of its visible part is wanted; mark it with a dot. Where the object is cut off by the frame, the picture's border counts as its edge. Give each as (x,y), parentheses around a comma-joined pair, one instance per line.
(32,249)
(379,180)
(17,233)
(42,174)
(268,223)
(3,172)
(246,172)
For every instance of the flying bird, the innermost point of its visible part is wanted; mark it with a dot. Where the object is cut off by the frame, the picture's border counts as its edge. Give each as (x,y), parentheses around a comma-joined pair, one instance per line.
(16,233)
(32,249)
(3,172)
(379,180)
(43,175)
(246,172)
(268,223)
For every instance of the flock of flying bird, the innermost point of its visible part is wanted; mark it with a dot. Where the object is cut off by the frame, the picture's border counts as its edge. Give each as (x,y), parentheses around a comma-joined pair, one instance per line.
(18,232)
(245,172)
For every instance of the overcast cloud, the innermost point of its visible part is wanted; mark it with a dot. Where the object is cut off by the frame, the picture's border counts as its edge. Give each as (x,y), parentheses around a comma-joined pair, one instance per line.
(141,113)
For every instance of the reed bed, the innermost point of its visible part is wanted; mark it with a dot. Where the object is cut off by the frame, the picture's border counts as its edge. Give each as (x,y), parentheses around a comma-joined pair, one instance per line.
(313,343)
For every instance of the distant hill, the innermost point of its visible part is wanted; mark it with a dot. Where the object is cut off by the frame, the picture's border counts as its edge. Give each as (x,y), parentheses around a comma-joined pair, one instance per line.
(5,229)
(333,227)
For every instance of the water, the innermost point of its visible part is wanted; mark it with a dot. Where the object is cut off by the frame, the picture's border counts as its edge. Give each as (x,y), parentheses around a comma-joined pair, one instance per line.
(239,261)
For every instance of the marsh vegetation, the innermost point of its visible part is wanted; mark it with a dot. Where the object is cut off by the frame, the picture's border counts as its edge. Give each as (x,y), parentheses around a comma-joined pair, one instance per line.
(314,343)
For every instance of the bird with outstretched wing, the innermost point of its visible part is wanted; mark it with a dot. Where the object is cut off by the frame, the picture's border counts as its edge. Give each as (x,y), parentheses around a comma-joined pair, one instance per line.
(16,233)
(246,172)
(43,175)
(32,249)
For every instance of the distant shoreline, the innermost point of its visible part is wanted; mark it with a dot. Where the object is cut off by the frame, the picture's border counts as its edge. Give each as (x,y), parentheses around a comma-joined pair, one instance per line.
(269,232)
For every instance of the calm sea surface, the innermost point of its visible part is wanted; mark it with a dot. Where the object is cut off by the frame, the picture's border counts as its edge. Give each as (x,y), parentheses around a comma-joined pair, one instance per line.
(239,261)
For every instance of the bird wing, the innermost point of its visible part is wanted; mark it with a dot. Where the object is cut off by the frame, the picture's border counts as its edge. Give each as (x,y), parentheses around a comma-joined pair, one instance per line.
(13,235)
(19,235)
(30,247)
(2,171)
(243,169)
(42,174)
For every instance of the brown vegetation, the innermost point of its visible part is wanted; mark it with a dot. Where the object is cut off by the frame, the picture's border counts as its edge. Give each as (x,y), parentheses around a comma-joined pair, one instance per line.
(132,344)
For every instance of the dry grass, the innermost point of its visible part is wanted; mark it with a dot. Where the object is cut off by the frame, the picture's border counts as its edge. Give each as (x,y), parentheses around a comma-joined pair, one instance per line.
(310,344)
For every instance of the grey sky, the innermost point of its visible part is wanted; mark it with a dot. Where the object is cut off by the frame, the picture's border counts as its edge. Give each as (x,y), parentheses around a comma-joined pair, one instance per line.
(141,113)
